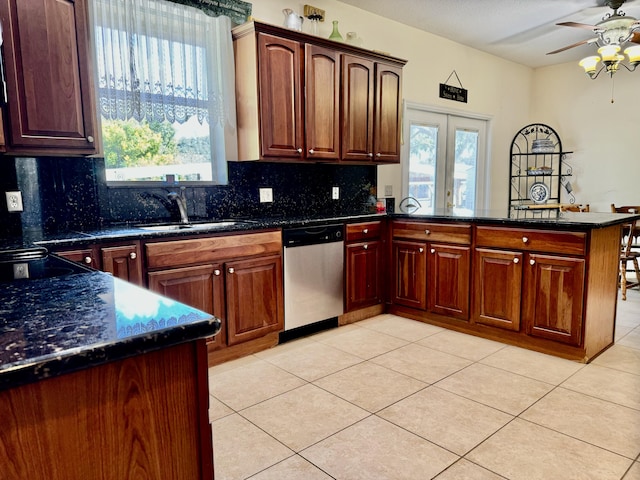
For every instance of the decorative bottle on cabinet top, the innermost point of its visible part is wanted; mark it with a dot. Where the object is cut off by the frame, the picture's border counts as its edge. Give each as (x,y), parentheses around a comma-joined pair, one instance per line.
(335,34)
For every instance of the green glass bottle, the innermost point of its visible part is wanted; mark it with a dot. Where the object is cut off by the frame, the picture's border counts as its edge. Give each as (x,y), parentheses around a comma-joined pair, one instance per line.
(335,34)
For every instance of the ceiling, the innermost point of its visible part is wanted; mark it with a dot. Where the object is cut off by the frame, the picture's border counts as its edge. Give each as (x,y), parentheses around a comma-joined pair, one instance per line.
(522,31)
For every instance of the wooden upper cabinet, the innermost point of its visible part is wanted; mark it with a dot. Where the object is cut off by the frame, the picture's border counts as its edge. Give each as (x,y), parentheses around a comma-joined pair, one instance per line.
(50,91)
(304,98)
(357,108)
(388,113)
(281,96)
(322,105)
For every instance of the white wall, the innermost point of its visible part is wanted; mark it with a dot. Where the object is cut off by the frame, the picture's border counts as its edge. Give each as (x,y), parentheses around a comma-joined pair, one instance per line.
(511,95)
(604,135)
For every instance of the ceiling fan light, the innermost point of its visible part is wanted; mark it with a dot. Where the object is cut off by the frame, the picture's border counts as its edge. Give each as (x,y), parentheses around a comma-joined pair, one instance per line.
(633,53)
(609,53)
(590,64)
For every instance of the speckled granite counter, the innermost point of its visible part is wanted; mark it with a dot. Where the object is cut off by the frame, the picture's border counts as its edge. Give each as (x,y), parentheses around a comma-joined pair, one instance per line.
(56,325)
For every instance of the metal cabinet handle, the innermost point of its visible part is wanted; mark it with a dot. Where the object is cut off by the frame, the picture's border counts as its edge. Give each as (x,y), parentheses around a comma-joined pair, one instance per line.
(532,262)
(516,260)
(427,232)
(88,260)
(421,249)
(216,272)
(90,139)
(365,231)
(133,255)
(366,247)
(433,250)
(312,151)
(299,150)
(231,270)
(378,155)
(369,155)
(525,239)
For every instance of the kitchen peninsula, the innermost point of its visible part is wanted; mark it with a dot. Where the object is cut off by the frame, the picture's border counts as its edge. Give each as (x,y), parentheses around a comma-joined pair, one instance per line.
(100,378)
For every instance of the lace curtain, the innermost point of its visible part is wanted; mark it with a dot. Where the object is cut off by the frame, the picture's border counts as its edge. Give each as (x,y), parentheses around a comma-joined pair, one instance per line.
(158,60)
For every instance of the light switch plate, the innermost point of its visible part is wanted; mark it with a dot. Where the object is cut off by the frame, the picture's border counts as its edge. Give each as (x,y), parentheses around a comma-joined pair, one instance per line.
(14,201)
(266,195)
(335,193)
(388,190)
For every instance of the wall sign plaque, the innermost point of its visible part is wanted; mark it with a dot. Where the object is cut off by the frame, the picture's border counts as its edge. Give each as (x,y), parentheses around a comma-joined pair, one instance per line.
(450,92)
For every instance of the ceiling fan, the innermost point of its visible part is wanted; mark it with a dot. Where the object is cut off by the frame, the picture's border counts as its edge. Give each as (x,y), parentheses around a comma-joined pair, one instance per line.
(615,29)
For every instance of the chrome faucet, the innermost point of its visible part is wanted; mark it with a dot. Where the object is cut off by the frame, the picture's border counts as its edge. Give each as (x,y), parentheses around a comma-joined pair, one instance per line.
(182,205)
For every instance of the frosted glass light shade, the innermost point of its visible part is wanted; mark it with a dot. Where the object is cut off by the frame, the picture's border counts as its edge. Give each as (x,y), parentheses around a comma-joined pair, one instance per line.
(609,53)
(633,53)
(589,63)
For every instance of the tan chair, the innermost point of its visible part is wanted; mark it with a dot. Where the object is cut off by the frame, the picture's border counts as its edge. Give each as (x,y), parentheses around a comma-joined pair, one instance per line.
(574,208)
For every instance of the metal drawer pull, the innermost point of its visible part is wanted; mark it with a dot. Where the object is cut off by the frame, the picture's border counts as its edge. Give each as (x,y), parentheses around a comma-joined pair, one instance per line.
(365,231)
(369,155)
(312,151)
(299,150)
(421,249)
(525,239)
(90,139)
(133,255)
(427,232)
(516,260)
(216,272)
(231,270)
(366,247)
(433,250)
(532,262)
(88,259)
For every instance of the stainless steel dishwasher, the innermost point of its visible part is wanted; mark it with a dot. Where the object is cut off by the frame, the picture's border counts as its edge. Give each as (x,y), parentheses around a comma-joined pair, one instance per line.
(313,279)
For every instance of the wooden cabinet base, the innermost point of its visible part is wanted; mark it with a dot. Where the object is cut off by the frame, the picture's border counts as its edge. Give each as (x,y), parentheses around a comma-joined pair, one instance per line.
(142,417)
(549,347)
(221,355)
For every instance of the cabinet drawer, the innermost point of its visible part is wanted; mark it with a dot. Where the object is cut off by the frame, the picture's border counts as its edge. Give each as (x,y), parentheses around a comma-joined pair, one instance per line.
(210,249)
(570,243)
(363,231)
(433,232)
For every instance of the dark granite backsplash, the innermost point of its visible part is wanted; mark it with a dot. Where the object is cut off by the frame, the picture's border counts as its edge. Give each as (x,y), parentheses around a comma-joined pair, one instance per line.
(64,194)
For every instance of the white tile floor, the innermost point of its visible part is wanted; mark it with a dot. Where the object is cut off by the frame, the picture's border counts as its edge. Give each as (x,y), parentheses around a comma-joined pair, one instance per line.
(391,398)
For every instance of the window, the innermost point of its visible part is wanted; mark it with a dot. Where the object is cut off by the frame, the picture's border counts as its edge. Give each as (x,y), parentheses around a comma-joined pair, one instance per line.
(444,161)
(166,91)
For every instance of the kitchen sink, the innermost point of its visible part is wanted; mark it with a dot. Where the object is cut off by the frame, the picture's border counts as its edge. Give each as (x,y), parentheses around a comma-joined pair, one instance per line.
(193,226)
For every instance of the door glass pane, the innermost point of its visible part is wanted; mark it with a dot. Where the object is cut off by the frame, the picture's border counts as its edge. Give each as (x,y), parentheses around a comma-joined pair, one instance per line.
(464,172)
(423,147)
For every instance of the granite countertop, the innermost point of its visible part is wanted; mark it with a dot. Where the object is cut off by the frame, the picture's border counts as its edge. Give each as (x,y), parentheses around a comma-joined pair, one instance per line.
(55,325)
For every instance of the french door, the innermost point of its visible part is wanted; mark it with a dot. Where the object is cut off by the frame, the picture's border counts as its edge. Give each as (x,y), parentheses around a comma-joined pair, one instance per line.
(444,162)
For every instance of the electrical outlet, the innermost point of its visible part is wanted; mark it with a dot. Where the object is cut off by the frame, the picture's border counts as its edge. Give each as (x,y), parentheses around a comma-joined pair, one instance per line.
(266,195)
(388,190)
(14,201)
(335,193)
(20,271)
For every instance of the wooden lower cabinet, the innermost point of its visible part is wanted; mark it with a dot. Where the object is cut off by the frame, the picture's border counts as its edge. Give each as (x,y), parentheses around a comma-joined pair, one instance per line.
(497,287)
(123,261)
(553,298)
(409,264)
(448,268)
(363,264)
(237,278)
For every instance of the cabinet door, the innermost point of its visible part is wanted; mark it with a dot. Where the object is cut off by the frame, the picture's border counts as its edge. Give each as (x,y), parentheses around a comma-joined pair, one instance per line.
(322,112)
(448,280)
(357,108)
(86,256)
(363,274)
(201,287)
(410,274)
(48,77)
(123,262)
(553,298)
(386,132)
(281,97)
(497,288)
(254,298)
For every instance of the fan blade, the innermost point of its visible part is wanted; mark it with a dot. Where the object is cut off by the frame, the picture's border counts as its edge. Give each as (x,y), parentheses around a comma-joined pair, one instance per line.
(635,38)
(583,42)
(576,24)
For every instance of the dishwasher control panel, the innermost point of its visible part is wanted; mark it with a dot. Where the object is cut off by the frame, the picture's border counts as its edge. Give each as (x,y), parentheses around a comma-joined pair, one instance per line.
(296,237)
